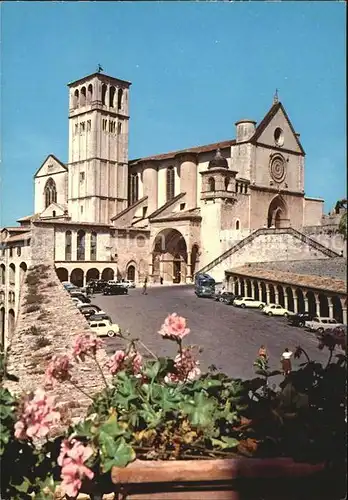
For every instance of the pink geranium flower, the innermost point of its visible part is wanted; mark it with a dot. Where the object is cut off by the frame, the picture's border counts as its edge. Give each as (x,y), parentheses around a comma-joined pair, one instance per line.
(72,458)
(86,345)
(186,367)
(174,327)
(121,361)
(37,415)
(58,370)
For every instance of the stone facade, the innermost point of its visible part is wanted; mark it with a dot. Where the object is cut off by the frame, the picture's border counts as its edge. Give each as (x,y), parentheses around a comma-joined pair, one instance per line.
(164,216)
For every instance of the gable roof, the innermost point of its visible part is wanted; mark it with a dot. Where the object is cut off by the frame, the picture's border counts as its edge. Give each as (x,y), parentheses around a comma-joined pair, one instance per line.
(192,214)
(197,149)
(55,158)
(267,120)
(166,205)
(117,216)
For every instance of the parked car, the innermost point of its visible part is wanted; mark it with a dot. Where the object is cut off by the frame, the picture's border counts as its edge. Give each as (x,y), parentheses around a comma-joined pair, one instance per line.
(225,297)
(128,283)
(96,286)
(300,319)
(320,324)
(90,307)
(77,301)
(69,286)
(115,290)
(205,291)
(100,316)
(104,328)
(88,312)
(248,302)
(276,310)
(82,297)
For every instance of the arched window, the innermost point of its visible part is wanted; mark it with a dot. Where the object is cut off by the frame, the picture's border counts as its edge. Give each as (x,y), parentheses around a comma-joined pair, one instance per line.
(83,97)
(104,88)
(170,183)
(211,184)
(81,236)
(134,189)
(93,246)
(111,96)
(76,98)
(119,99)
(12,274)
(237,187)
(227,183)
(68,245)
(89,93)
(2,274)
(50,192)
(237,225)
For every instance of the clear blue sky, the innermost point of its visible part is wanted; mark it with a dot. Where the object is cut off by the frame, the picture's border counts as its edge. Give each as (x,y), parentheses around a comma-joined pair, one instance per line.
(196,68)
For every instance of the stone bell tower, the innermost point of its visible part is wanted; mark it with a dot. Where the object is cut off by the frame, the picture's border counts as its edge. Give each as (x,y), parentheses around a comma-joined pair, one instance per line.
(217,200)
(98,148)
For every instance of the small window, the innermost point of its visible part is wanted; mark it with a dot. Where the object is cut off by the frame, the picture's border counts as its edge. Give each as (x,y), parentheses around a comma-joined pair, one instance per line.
(82,176)
(144,212)
(82,126)
(81,209)
(11,252)
(53,213)
(182,206)
(19,251)
(237,225)
(211,184)
(89,125)
(104,124)
(76,128)
(119,128)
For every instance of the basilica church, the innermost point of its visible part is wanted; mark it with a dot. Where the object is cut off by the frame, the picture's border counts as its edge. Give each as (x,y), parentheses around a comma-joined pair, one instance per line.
(169,215)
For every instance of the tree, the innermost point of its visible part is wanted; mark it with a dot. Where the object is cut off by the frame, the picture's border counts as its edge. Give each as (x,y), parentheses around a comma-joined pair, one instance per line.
(342,227)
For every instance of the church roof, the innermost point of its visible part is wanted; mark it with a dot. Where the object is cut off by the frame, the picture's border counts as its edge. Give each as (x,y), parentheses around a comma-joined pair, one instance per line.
(193,213)
(225,144)
(19,237)
(102,76)
(166,205)
(197,149)
(117,216)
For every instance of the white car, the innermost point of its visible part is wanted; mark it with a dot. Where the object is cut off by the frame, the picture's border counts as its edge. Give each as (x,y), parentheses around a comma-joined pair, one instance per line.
(104,328)
(128,283)
(249,302)
(276,310)
(78,302)
(320,324)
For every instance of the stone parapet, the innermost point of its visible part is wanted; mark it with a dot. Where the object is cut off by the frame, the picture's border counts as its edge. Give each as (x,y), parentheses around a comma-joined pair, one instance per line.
(51,330)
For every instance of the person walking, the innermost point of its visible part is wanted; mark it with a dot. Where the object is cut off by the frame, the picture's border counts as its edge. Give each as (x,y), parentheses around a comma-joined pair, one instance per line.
(144,292)
(286,362)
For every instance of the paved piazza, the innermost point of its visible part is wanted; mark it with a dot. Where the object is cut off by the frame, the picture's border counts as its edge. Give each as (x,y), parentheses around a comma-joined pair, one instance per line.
(230,337)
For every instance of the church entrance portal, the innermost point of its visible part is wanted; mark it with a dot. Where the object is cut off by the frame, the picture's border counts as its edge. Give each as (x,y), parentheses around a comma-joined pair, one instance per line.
(169,257)
(278,213)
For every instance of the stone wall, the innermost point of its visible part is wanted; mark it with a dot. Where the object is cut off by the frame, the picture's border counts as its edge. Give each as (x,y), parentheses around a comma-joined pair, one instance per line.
(49,330)
(267,248)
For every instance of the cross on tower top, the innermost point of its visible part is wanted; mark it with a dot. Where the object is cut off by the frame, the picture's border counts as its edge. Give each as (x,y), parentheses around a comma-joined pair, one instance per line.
(275,97)
(99,69)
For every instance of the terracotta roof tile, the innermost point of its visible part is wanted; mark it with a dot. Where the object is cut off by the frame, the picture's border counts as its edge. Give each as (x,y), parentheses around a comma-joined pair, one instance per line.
(304,280)
(197,149)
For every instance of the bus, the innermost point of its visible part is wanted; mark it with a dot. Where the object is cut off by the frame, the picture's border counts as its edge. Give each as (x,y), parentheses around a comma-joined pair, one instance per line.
(204,285)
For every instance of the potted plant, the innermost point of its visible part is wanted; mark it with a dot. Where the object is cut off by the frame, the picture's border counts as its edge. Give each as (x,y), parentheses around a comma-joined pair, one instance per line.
(162,429)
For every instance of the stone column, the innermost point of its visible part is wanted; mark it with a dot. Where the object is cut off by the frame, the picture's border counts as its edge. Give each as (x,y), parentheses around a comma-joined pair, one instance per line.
(317,304)
(236,286)
(73,245)
(294,294)
(189,268)
(268,294)
(150,269)
(276,294)
(331,311)
(344,310)
(286,301)
(260,289)
(305,298)
(252,289)
(88,246)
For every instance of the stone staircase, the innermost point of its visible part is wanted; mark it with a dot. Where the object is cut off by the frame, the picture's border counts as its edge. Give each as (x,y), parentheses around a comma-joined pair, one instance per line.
(294,234)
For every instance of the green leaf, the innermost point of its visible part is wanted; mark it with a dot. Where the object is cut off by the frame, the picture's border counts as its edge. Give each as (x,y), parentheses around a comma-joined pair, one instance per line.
(225,442)
(123,455)
(112,427)
(107,445)
(152,369)
(199,410)
(84,429)
(23,487)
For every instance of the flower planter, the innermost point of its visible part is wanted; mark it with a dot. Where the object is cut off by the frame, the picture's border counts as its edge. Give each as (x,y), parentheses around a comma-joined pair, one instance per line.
(230,479)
